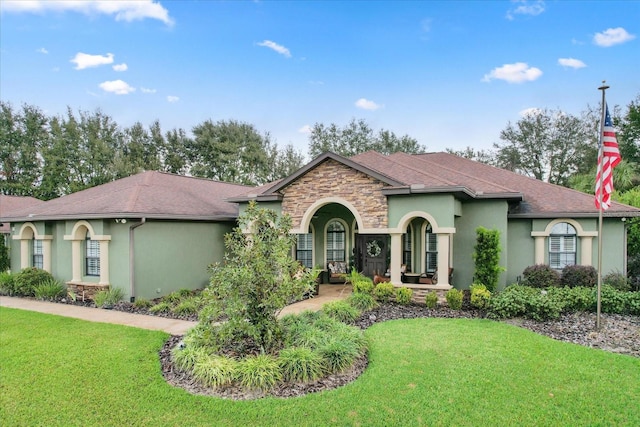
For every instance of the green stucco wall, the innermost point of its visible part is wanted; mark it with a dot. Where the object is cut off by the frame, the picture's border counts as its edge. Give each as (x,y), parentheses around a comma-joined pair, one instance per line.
(489,214)
(173,255)
(521,247)
(441,207)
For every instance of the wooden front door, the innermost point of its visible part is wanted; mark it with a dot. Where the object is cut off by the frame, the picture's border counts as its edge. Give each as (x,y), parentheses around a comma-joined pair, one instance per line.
(373,252)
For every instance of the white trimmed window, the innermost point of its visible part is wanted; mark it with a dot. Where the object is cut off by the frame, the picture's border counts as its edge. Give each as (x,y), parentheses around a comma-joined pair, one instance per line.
(304,249)
(92,257)
(562,246)
(37,254)
(336,242)
(431,250)
(406,249)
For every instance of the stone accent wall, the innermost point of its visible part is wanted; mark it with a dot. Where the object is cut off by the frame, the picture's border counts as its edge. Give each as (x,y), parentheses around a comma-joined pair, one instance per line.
(333,179)
(86,291)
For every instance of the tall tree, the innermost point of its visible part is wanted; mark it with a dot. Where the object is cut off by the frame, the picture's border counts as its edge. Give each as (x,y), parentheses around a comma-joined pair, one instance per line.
(229,151)
(173,153)
(483,156)
(283,162)
(547,145)
(358,137)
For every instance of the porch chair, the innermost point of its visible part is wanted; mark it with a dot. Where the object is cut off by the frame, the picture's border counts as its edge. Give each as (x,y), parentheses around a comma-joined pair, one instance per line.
(425,280)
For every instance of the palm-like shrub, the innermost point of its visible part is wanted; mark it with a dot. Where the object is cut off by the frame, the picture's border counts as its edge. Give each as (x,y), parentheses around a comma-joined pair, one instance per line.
(50,290)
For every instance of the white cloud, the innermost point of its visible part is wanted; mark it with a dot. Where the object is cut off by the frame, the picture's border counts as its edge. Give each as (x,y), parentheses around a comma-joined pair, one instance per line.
(120,67)
(525,7)
(122,10)
(43,51)
(514,73)
(571,63)
(172,98)
(612,36)
(306,129)
(118,87)
(277,47)
(146,90)
(84,60)
(366,104)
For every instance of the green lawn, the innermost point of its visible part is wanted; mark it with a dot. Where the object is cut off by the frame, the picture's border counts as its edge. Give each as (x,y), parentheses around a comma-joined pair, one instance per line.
(422,372)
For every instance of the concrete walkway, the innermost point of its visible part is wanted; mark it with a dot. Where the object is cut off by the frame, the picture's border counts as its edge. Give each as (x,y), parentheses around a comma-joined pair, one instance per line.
(172,326)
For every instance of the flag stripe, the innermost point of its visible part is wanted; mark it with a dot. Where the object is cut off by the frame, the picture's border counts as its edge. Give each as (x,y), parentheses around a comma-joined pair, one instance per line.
(608,158)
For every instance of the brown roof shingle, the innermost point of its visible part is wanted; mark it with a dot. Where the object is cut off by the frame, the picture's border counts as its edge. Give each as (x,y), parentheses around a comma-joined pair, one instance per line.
(148,194)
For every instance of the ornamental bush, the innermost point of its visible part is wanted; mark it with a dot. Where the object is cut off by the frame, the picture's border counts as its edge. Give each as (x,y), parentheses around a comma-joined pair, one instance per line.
(300,364)
(25,281)
(454,298)
(6,283)
(50,290)
(487,257)
(384,291)
(579,275)
(362,301)
(363,286)
(480,296)
(540,276)
(431,299)
(617,281)
(404,295)
(341,310)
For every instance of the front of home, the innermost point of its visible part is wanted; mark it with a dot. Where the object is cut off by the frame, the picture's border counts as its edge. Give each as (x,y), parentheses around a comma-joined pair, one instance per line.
(403,217)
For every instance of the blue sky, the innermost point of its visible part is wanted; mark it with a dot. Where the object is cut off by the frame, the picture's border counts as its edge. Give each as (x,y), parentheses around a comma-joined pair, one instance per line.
(450,74)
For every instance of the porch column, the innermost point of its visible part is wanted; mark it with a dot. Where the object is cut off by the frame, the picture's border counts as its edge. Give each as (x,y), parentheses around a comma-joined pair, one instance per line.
(46,253)
(76,261)
(539,249)
(104,262)
(24,253)
(586,257)
(443,259)
(396,258)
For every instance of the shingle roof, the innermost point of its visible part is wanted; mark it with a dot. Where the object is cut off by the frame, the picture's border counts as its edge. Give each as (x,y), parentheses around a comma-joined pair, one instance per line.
(10,204)
(148,194)
(444,172)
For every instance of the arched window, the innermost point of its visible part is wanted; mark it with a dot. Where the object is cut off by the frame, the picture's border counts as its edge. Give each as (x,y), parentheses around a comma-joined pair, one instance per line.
(37,254)
(336,242)
(304,249)
(92,256)
(562,246)
(431,249)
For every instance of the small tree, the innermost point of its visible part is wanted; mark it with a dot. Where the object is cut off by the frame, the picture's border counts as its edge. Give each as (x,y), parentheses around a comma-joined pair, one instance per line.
(4,256)
(256,281)
(487,258)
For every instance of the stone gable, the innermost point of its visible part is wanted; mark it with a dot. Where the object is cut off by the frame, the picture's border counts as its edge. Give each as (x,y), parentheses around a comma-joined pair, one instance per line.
(333,179)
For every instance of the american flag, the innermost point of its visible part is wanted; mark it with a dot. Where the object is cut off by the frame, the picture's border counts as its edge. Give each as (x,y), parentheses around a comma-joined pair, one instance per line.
(608,158)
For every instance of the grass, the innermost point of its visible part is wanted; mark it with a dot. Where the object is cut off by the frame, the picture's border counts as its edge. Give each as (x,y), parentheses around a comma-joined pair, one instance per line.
(59,371)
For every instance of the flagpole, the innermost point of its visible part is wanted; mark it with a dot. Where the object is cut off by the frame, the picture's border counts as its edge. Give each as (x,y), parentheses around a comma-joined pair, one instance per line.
(603,88)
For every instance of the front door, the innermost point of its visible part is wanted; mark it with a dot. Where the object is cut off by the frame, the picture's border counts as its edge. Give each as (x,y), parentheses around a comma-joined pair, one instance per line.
(373,252)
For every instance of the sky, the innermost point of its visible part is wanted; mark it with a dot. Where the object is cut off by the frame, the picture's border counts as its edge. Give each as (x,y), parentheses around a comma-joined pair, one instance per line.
(451,74)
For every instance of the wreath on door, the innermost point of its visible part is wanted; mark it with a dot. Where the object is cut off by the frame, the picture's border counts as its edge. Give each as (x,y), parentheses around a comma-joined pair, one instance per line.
(373,249)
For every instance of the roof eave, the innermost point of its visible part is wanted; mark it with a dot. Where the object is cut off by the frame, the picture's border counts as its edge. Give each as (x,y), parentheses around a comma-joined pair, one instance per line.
(616,214)
(128,215)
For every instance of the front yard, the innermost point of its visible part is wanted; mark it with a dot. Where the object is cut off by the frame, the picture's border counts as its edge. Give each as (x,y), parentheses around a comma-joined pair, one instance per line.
(61,371)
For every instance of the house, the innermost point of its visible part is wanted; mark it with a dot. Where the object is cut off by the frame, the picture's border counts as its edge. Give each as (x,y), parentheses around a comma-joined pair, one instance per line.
(154,233)
(384,214)
(149,234)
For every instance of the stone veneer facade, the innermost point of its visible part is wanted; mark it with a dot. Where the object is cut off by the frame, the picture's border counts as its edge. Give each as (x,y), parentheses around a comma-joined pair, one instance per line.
(333,179)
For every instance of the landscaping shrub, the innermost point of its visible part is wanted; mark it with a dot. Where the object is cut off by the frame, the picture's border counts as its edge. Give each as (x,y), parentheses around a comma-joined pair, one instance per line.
(5,262)
(142,303)
(341,310)
(512,302)
(363,286)
(214,371)
(7,281)
(362,301)
(486,256)
(612,300)
(25,282)
(573,300)
(480,296)
(633,303)
(161,307)
(404,295)
(186,306)
(108,298)
(431,299)
(617,281)
(185,358)
(50,290)
(579,275)
(339,354)
(384,291)
(454,298)
(300,364)
(540,276)
(261,372)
